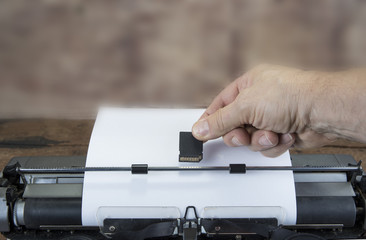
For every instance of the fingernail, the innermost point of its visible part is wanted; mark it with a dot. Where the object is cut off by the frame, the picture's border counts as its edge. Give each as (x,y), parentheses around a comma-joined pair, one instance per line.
(201,129)
(264,141)
(236,142)
(286,138)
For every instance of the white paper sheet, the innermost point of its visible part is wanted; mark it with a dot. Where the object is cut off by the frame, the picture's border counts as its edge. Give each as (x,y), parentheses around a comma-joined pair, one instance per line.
(122,137)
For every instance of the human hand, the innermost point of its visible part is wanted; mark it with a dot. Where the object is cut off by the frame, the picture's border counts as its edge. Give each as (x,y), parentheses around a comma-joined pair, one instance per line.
(267,109)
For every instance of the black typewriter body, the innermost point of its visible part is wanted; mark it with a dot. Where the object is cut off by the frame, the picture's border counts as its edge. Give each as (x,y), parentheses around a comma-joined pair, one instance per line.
(48,206)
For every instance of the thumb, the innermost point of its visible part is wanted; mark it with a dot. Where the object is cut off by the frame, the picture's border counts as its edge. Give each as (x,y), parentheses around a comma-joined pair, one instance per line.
(217,124)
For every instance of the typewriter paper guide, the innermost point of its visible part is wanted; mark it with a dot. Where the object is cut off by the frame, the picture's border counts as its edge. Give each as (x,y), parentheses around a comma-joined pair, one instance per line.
(122,137)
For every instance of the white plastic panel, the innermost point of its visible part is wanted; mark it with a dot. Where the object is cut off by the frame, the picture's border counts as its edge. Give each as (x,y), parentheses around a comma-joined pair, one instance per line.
(136,212)
(245,212)
(320,177)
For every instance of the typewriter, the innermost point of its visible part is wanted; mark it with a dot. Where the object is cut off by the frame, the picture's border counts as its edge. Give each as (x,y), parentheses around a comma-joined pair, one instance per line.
(41,198)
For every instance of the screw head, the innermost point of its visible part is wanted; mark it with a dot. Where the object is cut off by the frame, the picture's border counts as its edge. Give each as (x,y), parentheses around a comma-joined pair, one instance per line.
(112,228)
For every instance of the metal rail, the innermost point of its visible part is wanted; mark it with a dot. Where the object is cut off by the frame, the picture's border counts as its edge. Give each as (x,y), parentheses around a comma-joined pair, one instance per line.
(190,168)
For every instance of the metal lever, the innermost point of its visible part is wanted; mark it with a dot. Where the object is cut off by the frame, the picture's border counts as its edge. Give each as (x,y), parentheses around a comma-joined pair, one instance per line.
(190,225)
(190,231)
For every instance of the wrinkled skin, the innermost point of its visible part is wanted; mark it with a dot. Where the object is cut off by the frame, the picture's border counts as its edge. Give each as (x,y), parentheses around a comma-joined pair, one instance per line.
(272,108)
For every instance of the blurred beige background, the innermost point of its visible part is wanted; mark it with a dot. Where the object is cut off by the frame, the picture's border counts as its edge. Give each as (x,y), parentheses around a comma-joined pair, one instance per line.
(64,58)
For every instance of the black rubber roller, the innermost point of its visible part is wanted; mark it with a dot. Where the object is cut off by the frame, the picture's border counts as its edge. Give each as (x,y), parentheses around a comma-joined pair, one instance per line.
(38,212)
(326,210)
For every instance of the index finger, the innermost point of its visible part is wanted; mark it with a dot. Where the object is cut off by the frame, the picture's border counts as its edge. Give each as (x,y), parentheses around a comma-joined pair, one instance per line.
(224,98)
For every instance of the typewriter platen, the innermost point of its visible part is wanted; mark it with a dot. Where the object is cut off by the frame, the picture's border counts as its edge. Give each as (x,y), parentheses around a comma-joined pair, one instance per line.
(38,204)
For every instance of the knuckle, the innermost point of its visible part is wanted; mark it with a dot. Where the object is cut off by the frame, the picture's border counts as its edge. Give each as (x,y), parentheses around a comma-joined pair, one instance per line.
(275,152)
(253,148)
(246,111)
(271,153)
(219,120)
(261,67)
(260,148)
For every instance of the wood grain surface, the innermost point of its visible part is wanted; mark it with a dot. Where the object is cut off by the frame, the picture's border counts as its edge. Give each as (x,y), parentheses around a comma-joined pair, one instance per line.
(71,137)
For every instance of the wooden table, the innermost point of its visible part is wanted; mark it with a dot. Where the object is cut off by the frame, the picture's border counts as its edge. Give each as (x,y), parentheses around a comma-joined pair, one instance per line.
(71,138)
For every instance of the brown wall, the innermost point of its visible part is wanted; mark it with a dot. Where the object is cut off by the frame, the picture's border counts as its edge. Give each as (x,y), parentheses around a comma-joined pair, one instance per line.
(63,58)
